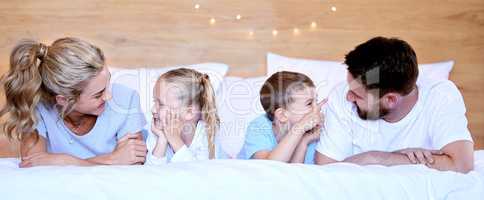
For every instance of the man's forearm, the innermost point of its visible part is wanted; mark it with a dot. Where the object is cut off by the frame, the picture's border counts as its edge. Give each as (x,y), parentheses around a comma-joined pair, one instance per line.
(441,162)
(379,158)
(446,163)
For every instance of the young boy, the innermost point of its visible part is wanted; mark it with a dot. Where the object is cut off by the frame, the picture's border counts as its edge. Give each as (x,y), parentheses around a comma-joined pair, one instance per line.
(289,130)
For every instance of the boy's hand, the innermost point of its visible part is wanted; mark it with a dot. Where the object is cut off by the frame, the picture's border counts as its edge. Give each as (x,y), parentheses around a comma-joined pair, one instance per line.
(311,120)
(312,135)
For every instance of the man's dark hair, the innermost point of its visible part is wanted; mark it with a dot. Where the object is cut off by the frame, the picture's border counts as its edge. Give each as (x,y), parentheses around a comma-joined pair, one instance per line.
(387,64)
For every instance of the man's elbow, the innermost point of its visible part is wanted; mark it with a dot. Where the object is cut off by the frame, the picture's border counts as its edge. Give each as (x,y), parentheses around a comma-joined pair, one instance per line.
(461,156)
(464,167)
(461,165)
(321,159)
(317,159)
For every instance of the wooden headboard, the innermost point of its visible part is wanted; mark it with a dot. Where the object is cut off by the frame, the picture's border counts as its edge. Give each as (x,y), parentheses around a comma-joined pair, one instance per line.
(162,33)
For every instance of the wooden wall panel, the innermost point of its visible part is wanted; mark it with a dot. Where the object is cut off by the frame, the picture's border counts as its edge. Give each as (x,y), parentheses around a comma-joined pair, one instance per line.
(160,33)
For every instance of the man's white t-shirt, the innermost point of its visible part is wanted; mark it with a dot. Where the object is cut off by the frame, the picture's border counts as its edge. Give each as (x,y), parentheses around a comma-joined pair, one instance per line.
(437,119)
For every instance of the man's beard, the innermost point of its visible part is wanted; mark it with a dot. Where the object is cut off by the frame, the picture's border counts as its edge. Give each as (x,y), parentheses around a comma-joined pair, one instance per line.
(372,115)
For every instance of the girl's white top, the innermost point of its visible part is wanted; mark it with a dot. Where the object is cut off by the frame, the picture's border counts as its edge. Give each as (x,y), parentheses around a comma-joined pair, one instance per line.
(198,149)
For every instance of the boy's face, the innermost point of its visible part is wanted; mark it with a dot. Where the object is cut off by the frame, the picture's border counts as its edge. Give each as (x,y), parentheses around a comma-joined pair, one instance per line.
(302,102)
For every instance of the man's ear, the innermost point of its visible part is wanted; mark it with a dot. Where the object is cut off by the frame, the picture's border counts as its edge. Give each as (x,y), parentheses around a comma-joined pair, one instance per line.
(390,100)
(61,100)
(280,114)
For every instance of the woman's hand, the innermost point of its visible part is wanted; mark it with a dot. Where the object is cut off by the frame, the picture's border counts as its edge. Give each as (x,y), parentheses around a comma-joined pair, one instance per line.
(130,150)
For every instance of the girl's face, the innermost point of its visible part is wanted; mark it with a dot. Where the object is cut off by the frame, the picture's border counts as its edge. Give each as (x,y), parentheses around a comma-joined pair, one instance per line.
(165,96)
(302,102)
(94,96)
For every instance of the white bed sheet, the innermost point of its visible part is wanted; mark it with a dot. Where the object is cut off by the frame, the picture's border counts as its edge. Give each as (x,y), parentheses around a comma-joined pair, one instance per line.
(239,179)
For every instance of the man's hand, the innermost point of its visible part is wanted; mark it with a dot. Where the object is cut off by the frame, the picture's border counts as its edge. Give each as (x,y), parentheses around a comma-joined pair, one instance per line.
(420,155)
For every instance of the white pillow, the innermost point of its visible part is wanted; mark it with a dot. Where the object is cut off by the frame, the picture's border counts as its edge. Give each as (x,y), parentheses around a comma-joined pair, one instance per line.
(327,74)
(237,103)
(435,71)
(143,80)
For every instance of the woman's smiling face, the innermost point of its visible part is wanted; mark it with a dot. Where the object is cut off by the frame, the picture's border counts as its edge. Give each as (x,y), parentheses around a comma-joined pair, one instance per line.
(94,96)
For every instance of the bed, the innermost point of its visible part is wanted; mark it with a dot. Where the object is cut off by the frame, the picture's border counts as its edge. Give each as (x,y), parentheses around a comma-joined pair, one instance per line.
(239,179)
(242,179)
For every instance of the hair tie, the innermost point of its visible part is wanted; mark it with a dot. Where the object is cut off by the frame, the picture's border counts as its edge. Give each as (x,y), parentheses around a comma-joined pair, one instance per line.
(205,76)
(42,51)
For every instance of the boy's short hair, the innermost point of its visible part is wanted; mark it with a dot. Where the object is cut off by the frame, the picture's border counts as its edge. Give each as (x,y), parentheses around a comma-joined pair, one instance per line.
(277,89)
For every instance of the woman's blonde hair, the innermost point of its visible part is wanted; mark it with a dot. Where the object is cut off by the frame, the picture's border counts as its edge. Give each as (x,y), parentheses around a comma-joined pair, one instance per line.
(38,73)
(196,89)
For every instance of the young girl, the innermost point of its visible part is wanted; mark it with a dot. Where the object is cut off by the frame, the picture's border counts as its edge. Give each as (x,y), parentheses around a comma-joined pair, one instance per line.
(292,124)
(59,106)
(185,120)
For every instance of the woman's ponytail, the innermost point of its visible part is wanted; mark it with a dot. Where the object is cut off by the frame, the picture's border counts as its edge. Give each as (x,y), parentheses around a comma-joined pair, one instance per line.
(22,85)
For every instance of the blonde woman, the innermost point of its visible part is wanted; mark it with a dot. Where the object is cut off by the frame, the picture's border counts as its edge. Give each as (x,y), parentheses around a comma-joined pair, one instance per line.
(185,120)
(60,105)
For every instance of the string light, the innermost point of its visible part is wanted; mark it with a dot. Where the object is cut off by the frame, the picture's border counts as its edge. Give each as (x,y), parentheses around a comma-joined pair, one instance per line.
(250,35)
(275,32)
(314,25)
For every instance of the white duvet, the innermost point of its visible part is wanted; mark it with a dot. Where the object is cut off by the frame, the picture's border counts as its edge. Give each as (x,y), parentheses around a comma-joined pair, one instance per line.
(239,179)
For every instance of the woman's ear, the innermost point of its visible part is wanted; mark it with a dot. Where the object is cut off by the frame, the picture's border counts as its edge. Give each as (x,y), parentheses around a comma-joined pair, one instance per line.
(61,100)
(281,115)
